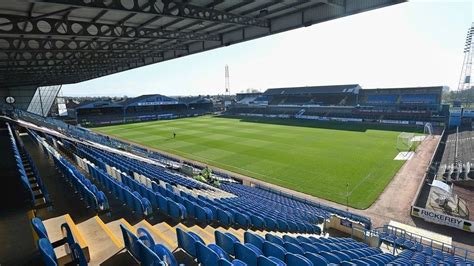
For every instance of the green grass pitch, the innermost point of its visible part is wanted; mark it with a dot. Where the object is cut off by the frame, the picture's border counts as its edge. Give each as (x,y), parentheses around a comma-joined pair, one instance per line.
(316,158)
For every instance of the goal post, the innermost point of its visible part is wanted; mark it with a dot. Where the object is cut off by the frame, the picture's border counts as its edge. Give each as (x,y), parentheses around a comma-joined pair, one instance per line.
(405,141)
(428,129)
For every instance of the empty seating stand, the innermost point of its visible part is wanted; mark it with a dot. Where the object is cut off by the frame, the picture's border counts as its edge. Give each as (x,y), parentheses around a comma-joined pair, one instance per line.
(273,250)
(88,192)
(267,210)
(29,175)
(164,191)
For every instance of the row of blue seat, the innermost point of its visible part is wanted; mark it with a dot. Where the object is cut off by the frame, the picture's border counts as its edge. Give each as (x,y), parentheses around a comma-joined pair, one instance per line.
(92,196)
(130,166)
(272,250)
(415,251)
(21,161)
(409,257)
(46,248)
(226,213)
(140,199)
(179,207)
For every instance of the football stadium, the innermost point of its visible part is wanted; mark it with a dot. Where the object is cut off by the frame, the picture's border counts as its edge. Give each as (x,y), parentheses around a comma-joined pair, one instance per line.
(338,174)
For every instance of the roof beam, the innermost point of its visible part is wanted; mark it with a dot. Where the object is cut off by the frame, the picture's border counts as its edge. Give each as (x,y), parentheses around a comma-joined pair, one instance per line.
(167,8)
(58,27)
(41,44)
(53,58)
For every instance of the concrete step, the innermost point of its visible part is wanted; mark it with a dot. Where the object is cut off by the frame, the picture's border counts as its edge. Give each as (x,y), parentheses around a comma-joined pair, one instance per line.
(114,227)
(168,232)
(103,244)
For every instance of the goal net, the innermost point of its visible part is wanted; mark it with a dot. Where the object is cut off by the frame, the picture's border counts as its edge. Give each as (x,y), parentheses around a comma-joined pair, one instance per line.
(405,141)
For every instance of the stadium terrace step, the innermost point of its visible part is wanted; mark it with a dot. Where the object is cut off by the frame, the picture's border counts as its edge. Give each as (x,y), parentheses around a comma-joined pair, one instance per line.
(53,227)
(103,244)
(168,231)
(114,228)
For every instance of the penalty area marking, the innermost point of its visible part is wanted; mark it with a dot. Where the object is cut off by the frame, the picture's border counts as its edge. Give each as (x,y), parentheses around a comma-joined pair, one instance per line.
(404,156)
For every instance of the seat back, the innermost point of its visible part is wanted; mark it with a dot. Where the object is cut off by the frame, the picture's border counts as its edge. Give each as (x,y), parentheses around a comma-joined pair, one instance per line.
(130,240)
(274,239)
(243,220)
(292,248)
(206,256)
(77,255)
(187,241)
(316,259)
(247,253)
(264,261)
(273,250)
(39,228)
(297,260)
(329,256)
(47,252)
(291,239)
(225,242)
(257,222)
(224,217)
(147,256)
(219,251)
(254,239)
(145,237)
(165,255)
(176,210)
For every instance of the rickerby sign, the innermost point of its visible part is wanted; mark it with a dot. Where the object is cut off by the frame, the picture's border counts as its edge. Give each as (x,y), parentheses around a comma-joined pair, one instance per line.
(441,218)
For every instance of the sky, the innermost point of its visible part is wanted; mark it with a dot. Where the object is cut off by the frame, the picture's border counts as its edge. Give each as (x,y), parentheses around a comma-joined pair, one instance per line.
(419,43)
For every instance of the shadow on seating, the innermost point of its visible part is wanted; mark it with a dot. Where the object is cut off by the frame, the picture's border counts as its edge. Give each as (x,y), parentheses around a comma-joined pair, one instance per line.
(119,259)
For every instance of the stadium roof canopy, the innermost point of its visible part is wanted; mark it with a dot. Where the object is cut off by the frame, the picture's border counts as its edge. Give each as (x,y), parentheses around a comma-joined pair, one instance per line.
(350,89)
(53,42)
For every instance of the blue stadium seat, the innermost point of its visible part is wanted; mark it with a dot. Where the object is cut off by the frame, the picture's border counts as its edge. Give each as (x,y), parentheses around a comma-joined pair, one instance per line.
(274,250)
(275,239)
(247,253)
(176,211)
(47,252)
(297,260)
(292,248)
(254,239)
(77,255)
(130,240)
(316,259)
(39,228)
(146,255)
(226,241)
(225,218)
(187,241)
(264,261)
(242,220)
